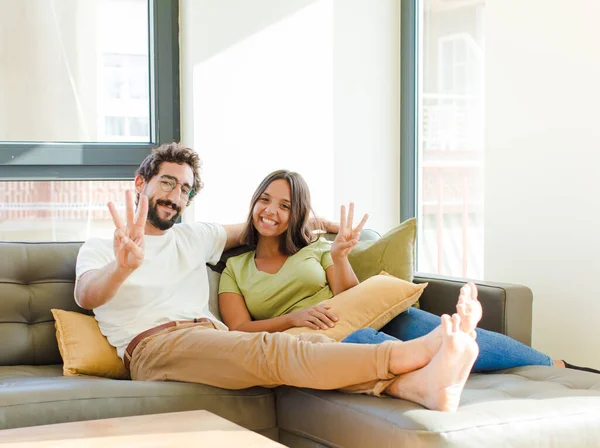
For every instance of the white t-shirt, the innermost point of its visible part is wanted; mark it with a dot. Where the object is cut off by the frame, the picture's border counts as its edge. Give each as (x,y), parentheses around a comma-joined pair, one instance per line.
(171,284)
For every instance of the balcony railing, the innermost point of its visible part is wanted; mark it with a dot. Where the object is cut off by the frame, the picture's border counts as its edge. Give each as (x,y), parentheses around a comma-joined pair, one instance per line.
(451,173)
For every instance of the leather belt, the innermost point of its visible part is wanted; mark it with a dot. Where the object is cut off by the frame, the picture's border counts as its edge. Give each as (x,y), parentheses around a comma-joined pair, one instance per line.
(144,334)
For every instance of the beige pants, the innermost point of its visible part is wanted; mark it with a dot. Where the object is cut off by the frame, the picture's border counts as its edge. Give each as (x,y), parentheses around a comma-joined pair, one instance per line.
(199,353)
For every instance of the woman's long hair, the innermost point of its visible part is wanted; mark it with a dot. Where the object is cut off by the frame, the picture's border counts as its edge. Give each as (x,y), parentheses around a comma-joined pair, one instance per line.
(299,232)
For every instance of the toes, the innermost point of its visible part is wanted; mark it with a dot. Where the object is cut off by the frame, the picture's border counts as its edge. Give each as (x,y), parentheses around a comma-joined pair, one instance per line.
(473,290)
(465,291)
(446,324)
(455,323)
(462,309)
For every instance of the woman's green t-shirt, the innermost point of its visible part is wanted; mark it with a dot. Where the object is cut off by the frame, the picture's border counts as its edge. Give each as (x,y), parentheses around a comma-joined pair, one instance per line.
(301,282)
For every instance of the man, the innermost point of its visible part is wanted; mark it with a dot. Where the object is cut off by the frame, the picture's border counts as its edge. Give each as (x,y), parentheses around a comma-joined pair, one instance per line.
(149,290)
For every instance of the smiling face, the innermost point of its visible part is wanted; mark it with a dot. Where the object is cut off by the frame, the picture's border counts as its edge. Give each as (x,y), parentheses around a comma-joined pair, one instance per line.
(271,212)
(165,204)
(280,208)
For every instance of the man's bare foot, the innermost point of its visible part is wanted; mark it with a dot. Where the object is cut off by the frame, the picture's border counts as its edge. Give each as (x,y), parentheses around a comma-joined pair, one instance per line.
(439,385)
(469,309)
(416,353)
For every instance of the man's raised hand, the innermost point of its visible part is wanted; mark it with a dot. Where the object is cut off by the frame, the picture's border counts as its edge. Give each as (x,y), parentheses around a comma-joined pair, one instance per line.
(128,241)
(347,236)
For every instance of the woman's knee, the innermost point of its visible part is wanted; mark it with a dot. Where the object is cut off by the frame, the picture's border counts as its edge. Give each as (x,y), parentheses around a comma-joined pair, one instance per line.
(412,324)
(368,336)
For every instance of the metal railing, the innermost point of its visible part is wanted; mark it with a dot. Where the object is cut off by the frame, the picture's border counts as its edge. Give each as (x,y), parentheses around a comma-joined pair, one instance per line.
(451,185)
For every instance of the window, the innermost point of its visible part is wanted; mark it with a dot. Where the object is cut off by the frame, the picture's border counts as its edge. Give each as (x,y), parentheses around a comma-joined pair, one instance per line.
(126,93)
(125,128)
(444,147)
(83,89)
(84,86)
(59,210)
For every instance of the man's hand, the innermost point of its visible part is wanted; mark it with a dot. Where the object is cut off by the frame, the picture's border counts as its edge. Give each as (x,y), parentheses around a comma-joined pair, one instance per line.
(347,237)
(317,317)
(128,241)
(330,226)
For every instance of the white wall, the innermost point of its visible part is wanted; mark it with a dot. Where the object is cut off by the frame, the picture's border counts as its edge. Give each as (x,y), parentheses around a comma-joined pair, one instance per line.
(542,195)
(311,86)
(366,108)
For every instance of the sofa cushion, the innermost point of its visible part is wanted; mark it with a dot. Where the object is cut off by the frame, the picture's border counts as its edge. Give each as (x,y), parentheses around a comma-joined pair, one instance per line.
(394,253)
(83,347)
(541,406)
(32,395)
(34,277)
(370,304)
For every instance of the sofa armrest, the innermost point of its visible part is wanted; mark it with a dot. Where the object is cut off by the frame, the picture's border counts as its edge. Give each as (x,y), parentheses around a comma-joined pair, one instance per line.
(507,308)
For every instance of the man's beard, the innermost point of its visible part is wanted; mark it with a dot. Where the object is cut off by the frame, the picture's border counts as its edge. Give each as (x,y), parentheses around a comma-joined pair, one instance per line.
(156,220)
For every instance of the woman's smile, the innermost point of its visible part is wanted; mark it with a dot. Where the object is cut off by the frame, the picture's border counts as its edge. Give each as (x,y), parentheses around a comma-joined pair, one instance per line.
(268,221)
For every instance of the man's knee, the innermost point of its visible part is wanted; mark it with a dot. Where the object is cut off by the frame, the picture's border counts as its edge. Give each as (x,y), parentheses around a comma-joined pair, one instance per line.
(315,337)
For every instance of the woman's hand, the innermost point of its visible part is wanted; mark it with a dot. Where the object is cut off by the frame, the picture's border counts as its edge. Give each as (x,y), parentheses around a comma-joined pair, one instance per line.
(347,237)
(317,317)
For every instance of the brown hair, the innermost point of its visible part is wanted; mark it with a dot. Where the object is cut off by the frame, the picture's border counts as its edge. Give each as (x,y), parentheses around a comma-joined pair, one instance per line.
(174,153)
(299,232)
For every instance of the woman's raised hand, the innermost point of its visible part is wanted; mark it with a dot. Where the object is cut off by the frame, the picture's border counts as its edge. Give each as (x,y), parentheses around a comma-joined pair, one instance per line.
(317,317)
(348,236)
(128,241)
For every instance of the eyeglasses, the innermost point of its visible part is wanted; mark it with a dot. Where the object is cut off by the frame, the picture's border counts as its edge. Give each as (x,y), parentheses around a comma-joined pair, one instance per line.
(168,185)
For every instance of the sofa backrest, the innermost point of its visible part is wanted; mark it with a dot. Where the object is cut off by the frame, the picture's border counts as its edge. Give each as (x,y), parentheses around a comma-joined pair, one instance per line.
(34,277)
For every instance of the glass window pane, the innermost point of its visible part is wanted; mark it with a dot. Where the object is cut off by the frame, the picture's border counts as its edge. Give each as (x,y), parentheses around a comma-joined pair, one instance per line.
(451,143)
(138,126)
(59,210)
(115,126)
(67,65)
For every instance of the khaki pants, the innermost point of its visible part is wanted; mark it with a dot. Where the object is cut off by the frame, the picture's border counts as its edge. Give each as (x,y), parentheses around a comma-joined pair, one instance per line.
(199,353)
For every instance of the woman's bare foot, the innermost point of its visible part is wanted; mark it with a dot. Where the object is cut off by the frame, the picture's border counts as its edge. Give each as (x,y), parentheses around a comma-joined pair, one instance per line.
(469,309)
(439,385)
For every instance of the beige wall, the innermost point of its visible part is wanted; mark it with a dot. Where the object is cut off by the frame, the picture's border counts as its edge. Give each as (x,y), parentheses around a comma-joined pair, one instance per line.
(542,196)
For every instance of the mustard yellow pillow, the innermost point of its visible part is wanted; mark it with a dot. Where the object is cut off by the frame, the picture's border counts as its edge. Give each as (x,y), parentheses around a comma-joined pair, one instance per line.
(370,304)
(84,349)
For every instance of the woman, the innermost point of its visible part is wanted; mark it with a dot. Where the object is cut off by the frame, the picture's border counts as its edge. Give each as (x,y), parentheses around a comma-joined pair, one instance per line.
(280,284)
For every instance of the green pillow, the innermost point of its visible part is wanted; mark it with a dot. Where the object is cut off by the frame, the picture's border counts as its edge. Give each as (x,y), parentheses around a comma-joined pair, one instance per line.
(393,253)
